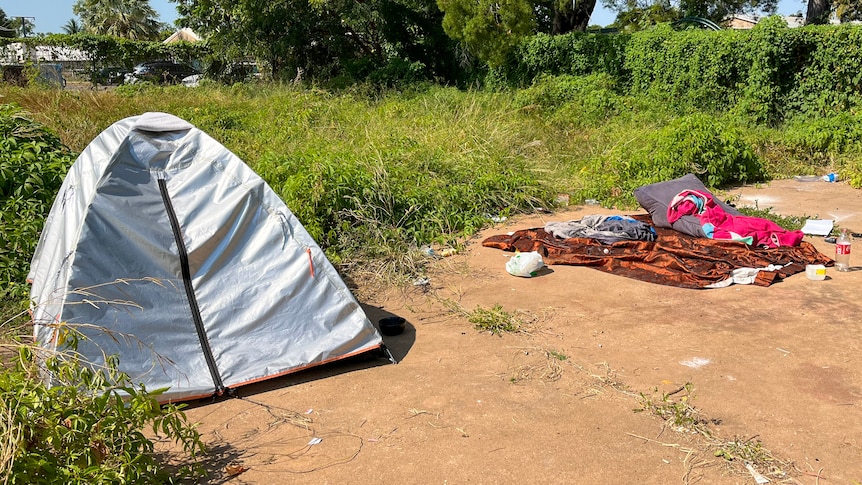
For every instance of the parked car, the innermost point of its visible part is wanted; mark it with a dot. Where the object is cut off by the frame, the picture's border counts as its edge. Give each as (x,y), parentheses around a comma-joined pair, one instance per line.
(192,81)
(110,75)
(160,72)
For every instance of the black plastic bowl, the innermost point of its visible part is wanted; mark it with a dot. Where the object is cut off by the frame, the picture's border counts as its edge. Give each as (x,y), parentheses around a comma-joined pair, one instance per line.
(391,325)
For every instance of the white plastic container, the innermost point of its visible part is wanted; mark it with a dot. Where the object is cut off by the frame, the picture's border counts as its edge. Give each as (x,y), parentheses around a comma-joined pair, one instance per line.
(815,272)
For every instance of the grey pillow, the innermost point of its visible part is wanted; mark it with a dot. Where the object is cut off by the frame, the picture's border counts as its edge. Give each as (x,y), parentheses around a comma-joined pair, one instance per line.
(656,198)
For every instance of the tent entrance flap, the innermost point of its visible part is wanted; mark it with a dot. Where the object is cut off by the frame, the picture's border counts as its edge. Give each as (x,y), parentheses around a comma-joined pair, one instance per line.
(190,291)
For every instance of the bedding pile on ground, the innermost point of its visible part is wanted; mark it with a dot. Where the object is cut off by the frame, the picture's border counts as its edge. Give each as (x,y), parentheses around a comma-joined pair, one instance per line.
(697,242)
(673,259)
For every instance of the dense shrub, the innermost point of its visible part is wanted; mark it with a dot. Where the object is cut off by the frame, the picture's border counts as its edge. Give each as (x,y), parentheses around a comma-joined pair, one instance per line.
(771,55)
(697,68)
(32,165)
(837,133)
(411,196)
(714,150)
(825,67)
(767,74)
(88,429)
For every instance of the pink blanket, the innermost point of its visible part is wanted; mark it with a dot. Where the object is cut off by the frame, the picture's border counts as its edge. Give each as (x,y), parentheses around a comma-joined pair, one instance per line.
(763,232)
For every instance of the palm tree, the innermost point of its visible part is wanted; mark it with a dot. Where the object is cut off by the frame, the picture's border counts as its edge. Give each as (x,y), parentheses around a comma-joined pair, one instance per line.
(72,27)
(130,19)
(6,29)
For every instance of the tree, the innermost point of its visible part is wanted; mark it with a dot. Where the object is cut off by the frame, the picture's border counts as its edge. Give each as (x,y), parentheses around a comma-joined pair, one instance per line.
(489,28)
(848,10)
(323,38)
(635,17)
(572,19)
(492,28)
(6,29)
(72,27)
(289,36)
(165,30)
(820,11)
(715,10)
(129,19)
(718,10)
(413,31)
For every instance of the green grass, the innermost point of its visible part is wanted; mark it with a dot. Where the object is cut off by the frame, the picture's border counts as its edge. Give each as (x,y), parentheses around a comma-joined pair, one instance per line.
(677,412)
(558,355)
(375,175)
(495,320)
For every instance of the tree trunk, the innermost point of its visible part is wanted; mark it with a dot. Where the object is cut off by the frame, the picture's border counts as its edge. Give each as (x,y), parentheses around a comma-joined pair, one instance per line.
(818,12)
(575,17)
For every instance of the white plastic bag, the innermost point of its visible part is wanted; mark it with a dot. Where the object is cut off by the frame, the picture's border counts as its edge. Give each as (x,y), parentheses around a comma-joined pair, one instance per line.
(525,264)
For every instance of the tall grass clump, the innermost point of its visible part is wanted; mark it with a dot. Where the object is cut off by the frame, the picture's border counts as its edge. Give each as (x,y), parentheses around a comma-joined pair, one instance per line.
(831,142)
(714,149)
(393,174)
(572,102)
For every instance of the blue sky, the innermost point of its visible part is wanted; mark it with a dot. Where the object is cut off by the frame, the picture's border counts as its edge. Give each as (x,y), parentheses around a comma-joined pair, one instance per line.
(51,15)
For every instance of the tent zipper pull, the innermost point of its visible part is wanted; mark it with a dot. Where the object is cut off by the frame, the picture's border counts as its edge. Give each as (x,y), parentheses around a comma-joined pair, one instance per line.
(310,262)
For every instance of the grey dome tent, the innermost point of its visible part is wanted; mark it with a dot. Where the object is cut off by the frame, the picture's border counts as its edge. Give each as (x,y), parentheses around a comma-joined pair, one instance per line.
(167,250)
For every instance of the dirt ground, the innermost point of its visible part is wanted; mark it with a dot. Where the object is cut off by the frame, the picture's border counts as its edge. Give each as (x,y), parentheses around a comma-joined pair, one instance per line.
(774,372)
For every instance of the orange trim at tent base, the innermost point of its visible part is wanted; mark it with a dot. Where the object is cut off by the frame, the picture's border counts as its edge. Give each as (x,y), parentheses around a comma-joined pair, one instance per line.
(274,376)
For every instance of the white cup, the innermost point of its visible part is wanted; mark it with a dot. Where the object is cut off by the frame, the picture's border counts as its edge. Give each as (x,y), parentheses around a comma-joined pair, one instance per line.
(815,272)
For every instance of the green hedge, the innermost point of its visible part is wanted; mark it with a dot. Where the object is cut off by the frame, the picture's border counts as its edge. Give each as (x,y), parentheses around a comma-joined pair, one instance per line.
(575,54)
(766,74)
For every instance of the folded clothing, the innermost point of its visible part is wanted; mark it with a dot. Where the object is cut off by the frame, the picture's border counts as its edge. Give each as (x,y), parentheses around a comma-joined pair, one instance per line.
(605,229)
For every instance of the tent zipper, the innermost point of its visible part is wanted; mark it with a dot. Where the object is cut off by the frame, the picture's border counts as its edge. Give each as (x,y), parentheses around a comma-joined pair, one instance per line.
(190,291)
